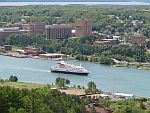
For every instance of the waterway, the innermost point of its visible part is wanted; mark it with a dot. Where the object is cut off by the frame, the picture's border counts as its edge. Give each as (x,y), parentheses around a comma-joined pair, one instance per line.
(114,79)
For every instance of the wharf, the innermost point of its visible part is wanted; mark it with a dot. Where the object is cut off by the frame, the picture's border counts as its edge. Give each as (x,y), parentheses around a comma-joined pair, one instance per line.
(15,54)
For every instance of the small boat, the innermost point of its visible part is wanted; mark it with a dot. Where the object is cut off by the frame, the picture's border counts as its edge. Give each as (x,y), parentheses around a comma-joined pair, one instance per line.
(63,67)
(139,68)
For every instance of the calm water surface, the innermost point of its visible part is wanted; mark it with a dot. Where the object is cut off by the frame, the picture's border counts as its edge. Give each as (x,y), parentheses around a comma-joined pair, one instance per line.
(106,78)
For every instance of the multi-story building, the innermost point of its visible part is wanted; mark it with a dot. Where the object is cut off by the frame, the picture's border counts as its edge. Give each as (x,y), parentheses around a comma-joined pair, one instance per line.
(83,27)
(34,28)
(58,31)
(5,32)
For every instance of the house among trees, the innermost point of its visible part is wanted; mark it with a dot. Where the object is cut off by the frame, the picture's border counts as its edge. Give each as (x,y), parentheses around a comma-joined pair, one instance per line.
(97,108)
(106,42)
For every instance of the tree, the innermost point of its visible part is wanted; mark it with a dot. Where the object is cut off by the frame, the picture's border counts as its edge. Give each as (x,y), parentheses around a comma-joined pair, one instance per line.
(71,111)
(32,102)
(61,82)
(106,60)
(4,105)
(67,81)
(93,110)
(13,78)
(91,87)
(2,81)
(12,110)
(147,111)
(142,106)
(21,110)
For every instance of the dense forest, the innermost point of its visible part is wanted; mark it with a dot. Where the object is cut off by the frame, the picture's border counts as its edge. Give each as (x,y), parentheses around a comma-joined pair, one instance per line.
(38,101)
(52,101)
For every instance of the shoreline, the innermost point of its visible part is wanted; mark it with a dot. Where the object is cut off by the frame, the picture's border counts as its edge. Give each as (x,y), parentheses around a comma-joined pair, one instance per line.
(132,67)
(73,3)
(69,90)
(43,82)
(37,57)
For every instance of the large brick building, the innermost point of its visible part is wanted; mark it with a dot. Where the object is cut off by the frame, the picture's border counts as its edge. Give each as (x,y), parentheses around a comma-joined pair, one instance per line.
(58,31)
(83,27)
(34,28)
(5,32)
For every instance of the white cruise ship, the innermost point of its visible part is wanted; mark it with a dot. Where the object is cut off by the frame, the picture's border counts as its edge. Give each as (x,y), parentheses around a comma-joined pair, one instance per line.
(63,67)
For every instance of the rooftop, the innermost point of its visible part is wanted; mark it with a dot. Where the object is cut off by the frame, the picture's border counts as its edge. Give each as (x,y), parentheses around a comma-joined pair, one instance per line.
(52,54)
(10,29)
(123,94)
(58,25)
(109,39)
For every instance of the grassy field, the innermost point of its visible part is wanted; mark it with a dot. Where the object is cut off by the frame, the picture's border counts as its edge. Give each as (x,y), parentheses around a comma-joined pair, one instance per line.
(21,85)
(14,48)
(139,67)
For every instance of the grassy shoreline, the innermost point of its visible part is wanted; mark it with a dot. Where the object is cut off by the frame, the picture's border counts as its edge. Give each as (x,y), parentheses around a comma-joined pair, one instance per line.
(22,85)
(135,67)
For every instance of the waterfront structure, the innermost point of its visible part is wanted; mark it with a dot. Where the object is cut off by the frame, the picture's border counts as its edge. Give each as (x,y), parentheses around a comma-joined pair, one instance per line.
(83,27)
(123,95)
(63,67)
(53,56)
(30,51)
(34,28)
(7,48)
(145,64)
(58,31)
(138,39)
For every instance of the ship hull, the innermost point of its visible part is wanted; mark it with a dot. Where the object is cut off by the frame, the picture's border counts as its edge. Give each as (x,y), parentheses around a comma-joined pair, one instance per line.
(67,72)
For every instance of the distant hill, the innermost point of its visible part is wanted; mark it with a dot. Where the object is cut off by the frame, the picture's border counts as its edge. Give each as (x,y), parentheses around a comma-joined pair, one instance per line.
(74,1)
(65,0)
(147,1)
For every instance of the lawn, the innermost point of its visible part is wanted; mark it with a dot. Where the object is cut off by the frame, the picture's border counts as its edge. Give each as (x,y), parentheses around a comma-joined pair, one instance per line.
(22,85)
(14,48)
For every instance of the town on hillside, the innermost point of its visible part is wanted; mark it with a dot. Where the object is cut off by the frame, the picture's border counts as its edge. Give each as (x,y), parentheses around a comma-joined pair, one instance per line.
(130,34)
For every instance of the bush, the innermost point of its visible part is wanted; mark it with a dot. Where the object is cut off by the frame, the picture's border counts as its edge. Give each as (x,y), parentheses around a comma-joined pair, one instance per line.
(13,78)
(106,60)
(1,80)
